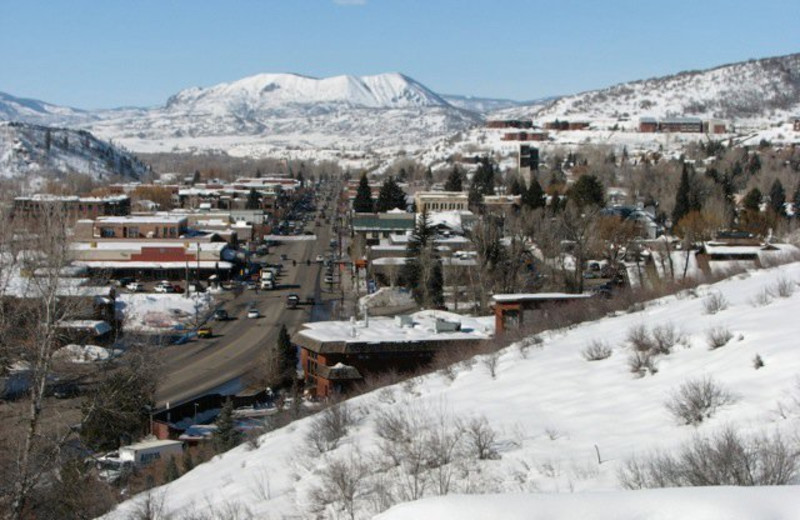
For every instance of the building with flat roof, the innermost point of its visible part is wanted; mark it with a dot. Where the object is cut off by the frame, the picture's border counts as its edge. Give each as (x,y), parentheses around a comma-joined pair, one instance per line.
(432,201)
(336,354)
(74,207)
(140,226)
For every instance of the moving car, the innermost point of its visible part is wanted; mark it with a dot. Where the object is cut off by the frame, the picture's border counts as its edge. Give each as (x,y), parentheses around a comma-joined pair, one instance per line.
(320,259)
(292,300)
(221,315)
(253,313)
(205,332)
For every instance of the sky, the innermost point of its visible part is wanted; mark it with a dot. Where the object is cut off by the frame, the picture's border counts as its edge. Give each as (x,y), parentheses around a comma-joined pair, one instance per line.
(110,53)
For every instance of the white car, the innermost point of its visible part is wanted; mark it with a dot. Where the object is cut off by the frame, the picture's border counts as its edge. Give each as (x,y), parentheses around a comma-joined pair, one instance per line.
(164,287)
(320,259)
(253,313)
(135,287)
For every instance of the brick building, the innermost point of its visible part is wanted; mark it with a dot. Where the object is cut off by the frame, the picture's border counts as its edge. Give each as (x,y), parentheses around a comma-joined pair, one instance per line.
(74,207)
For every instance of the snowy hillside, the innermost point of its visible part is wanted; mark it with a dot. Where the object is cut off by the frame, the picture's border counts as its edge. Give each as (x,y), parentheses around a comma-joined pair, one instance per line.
(38,112)
(538,418)
(33,153)
(765,89)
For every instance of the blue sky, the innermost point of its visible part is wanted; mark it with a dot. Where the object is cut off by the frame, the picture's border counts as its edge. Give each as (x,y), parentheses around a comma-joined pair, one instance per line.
(97,54)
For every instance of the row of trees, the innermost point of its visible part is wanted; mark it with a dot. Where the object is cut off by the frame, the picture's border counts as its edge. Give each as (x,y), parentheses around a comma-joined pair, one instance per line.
(391,196)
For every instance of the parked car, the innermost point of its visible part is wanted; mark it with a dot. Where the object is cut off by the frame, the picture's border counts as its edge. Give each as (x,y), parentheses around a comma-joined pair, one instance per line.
(221,315)
(284,257)
(124,281)
(320,259)
(292,300)
(135,286)
(330,279)
(205,332)
(177,288)
(253,313)
(164,288)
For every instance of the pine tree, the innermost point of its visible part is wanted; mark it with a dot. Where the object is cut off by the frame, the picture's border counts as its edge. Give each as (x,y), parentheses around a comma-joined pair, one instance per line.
(287,356)
(253,200)
(587,191)
(682,197)
(454,180)
(422,272)
(533,197)
(391,196)
(516,186)
(171,472)
(363,202)
(226,437)
(428,178)
(752,201)
(196,177)
(777,198)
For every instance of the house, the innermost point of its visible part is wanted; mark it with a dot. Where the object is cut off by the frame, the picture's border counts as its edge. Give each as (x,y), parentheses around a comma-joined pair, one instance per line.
(525,136)
(337,354)
(371,227)
(140,226)
(648,124)
(432,201)
(681,124)
(74,207)
(512,310)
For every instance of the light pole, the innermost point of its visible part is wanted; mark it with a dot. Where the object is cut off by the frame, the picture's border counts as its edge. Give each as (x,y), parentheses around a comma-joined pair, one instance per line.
(195,412)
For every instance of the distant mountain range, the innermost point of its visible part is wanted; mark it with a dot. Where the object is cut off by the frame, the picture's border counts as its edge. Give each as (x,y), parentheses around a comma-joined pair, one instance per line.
(271,113)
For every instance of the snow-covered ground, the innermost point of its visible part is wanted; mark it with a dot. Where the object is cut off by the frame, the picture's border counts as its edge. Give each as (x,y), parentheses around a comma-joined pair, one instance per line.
(154,312)
(724,503)
(554,414)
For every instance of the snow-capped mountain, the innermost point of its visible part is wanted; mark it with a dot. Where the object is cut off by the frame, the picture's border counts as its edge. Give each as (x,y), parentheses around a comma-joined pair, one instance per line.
(34,152)
(764,89)
(261,113)
(38,112)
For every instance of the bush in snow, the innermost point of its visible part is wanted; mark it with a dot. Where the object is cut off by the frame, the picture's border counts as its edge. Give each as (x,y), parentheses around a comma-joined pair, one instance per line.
(330,426)
(665,337)
(482,439)
(641,363)
(758,362)
(697,400)
(714,303)
(596,351)
(723,459)
(639,339)
(764,297)
(784,287)
(718,337)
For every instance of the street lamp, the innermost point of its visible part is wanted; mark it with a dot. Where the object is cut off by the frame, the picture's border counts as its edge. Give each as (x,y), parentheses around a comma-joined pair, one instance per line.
(195,412)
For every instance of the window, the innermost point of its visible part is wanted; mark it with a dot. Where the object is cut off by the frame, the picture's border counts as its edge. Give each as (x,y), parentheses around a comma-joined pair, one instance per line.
(133,231)
(107,232)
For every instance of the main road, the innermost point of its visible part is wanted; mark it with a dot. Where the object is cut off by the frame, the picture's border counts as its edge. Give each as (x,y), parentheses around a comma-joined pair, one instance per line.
(202,365)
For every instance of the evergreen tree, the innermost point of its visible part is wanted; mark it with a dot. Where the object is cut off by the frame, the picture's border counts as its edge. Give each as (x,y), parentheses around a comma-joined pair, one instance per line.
(428,178)
(752,201)
(533,197)
(48,139)
(391,196)
(683,197)
(171,472)
(516,187)
(258,173)
(301,178)
(196,177)
(777,198)
(402,176)
(363,202)
(253,200)
(225,437)
(287,356)
(587,191)
(454,180)
(422,272)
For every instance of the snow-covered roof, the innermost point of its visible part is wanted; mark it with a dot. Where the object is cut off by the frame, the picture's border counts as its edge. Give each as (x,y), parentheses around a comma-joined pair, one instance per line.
(137,245)
(203,264)
(142,219)
(538,296)
(387,330)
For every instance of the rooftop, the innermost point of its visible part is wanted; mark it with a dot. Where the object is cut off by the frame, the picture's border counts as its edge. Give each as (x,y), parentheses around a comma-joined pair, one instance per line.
(142,219)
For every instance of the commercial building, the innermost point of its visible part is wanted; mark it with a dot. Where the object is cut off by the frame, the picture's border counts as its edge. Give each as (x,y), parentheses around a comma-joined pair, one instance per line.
(432,201)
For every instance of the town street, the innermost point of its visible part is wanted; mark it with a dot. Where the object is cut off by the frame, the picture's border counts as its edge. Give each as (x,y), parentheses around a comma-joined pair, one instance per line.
(202,365)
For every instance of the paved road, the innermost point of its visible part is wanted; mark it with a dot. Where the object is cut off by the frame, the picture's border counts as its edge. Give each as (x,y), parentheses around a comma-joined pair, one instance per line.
(202,365)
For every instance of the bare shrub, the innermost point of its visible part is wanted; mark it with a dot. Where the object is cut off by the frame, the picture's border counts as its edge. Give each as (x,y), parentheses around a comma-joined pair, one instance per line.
(762,298)
(758,362)
(664,338)
(343,485)
(330,426)
(597,350)
(723,459)
(715,302)
(490,362)
(718,337)
(639,339)
(482,439)
(697,400)
(640,363)
(784,287)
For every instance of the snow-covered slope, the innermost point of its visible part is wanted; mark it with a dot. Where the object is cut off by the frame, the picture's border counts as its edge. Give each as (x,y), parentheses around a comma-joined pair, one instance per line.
(752,90)
(34,152)
(554,414)
(480,105)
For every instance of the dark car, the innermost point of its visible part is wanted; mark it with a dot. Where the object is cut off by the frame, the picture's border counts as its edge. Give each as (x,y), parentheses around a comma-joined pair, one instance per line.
(221,315)
(66,390)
